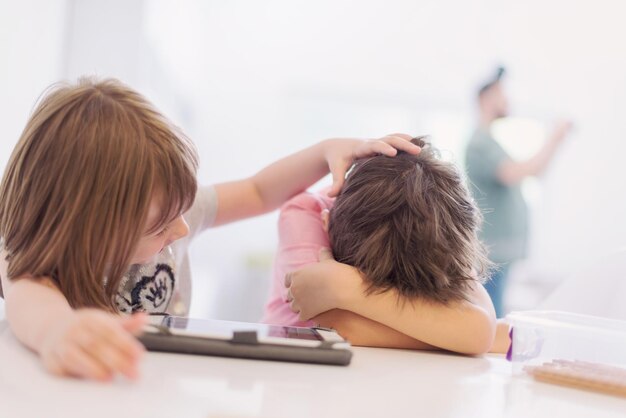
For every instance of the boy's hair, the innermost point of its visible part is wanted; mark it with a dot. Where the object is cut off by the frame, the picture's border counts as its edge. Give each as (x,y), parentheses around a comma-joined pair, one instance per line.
(75,195)
(409,223)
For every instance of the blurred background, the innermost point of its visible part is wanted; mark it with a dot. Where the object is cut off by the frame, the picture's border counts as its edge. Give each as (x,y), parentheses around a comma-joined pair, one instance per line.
(253,81)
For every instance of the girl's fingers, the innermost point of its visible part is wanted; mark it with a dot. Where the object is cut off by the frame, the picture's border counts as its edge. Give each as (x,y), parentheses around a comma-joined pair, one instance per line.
(117,336)
(388,145)
(53,364)
(379,147)
(406,137)
(111,345)
(118,362)
(339,175)
(79,363)
(402,144)
(334,189)
(387,149)
(134,323)
(114,358)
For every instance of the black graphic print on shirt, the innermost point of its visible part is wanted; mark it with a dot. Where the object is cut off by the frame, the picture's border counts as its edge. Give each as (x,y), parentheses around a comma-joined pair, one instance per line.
(150,293)
(154,292)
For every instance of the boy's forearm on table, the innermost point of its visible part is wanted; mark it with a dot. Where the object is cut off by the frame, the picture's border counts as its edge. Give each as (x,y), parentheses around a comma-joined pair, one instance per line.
(32,309)
(502,341)
(361,331)
(463,327)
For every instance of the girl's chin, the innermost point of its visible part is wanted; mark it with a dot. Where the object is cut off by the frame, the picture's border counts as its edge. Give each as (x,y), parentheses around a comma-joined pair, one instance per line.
(147,259)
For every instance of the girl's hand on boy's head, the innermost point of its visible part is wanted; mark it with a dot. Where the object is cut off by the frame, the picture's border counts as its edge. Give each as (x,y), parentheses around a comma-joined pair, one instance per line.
(341,153)
(322,286)
(94,344)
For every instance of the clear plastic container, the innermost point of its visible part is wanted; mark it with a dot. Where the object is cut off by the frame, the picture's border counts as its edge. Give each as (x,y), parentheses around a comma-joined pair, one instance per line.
(543,336)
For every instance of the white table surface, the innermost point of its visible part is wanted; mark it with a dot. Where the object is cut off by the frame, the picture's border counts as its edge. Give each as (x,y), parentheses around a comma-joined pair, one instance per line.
(378,383)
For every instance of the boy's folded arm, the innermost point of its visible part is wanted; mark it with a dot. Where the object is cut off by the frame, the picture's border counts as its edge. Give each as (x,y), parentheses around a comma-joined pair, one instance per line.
(464,326)
(365,332)
(502,341)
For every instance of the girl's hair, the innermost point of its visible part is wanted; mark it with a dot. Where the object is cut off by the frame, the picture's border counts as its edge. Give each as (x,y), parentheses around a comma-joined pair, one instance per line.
(75,195)
(409,223)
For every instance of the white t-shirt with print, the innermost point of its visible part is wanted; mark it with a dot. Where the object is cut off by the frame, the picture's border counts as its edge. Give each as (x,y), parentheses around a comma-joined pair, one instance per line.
(164,285)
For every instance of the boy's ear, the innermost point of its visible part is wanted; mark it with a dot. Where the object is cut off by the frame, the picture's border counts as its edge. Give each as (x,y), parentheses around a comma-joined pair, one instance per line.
(325,214)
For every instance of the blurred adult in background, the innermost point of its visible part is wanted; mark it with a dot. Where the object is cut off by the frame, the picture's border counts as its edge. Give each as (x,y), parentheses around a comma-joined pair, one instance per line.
(496,184)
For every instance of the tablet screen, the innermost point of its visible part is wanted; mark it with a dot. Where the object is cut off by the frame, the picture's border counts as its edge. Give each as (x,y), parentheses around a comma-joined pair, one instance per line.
(225,329)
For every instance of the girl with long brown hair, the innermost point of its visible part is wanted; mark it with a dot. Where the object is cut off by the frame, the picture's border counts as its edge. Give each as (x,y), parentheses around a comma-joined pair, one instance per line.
(98,204)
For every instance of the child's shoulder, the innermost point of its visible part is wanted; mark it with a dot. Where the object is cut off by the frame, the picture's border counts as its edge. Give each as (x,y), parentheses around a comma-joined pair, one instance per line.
(313,201)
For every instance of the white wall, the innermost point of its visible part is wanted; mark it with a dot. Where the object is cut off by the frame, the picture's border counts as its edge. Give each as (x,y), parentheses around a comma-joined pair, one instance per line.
(251,81)
(32,41)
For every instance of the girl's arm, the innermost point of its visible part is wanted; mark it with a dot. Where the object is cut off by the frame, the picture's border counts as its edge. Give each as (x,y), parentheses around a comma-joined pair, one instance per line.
(83,343)
(275,184)
(464,327)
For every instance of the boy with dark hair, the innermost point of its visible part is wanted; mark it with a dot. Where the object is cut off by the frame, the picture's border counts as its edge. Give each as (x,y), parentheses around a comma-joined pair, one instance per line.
(402,230)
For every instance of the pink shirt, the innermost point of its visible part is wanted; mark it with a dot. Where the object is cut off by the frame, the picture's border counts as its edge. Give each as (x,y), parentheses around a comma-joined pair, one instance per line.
(301,236)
